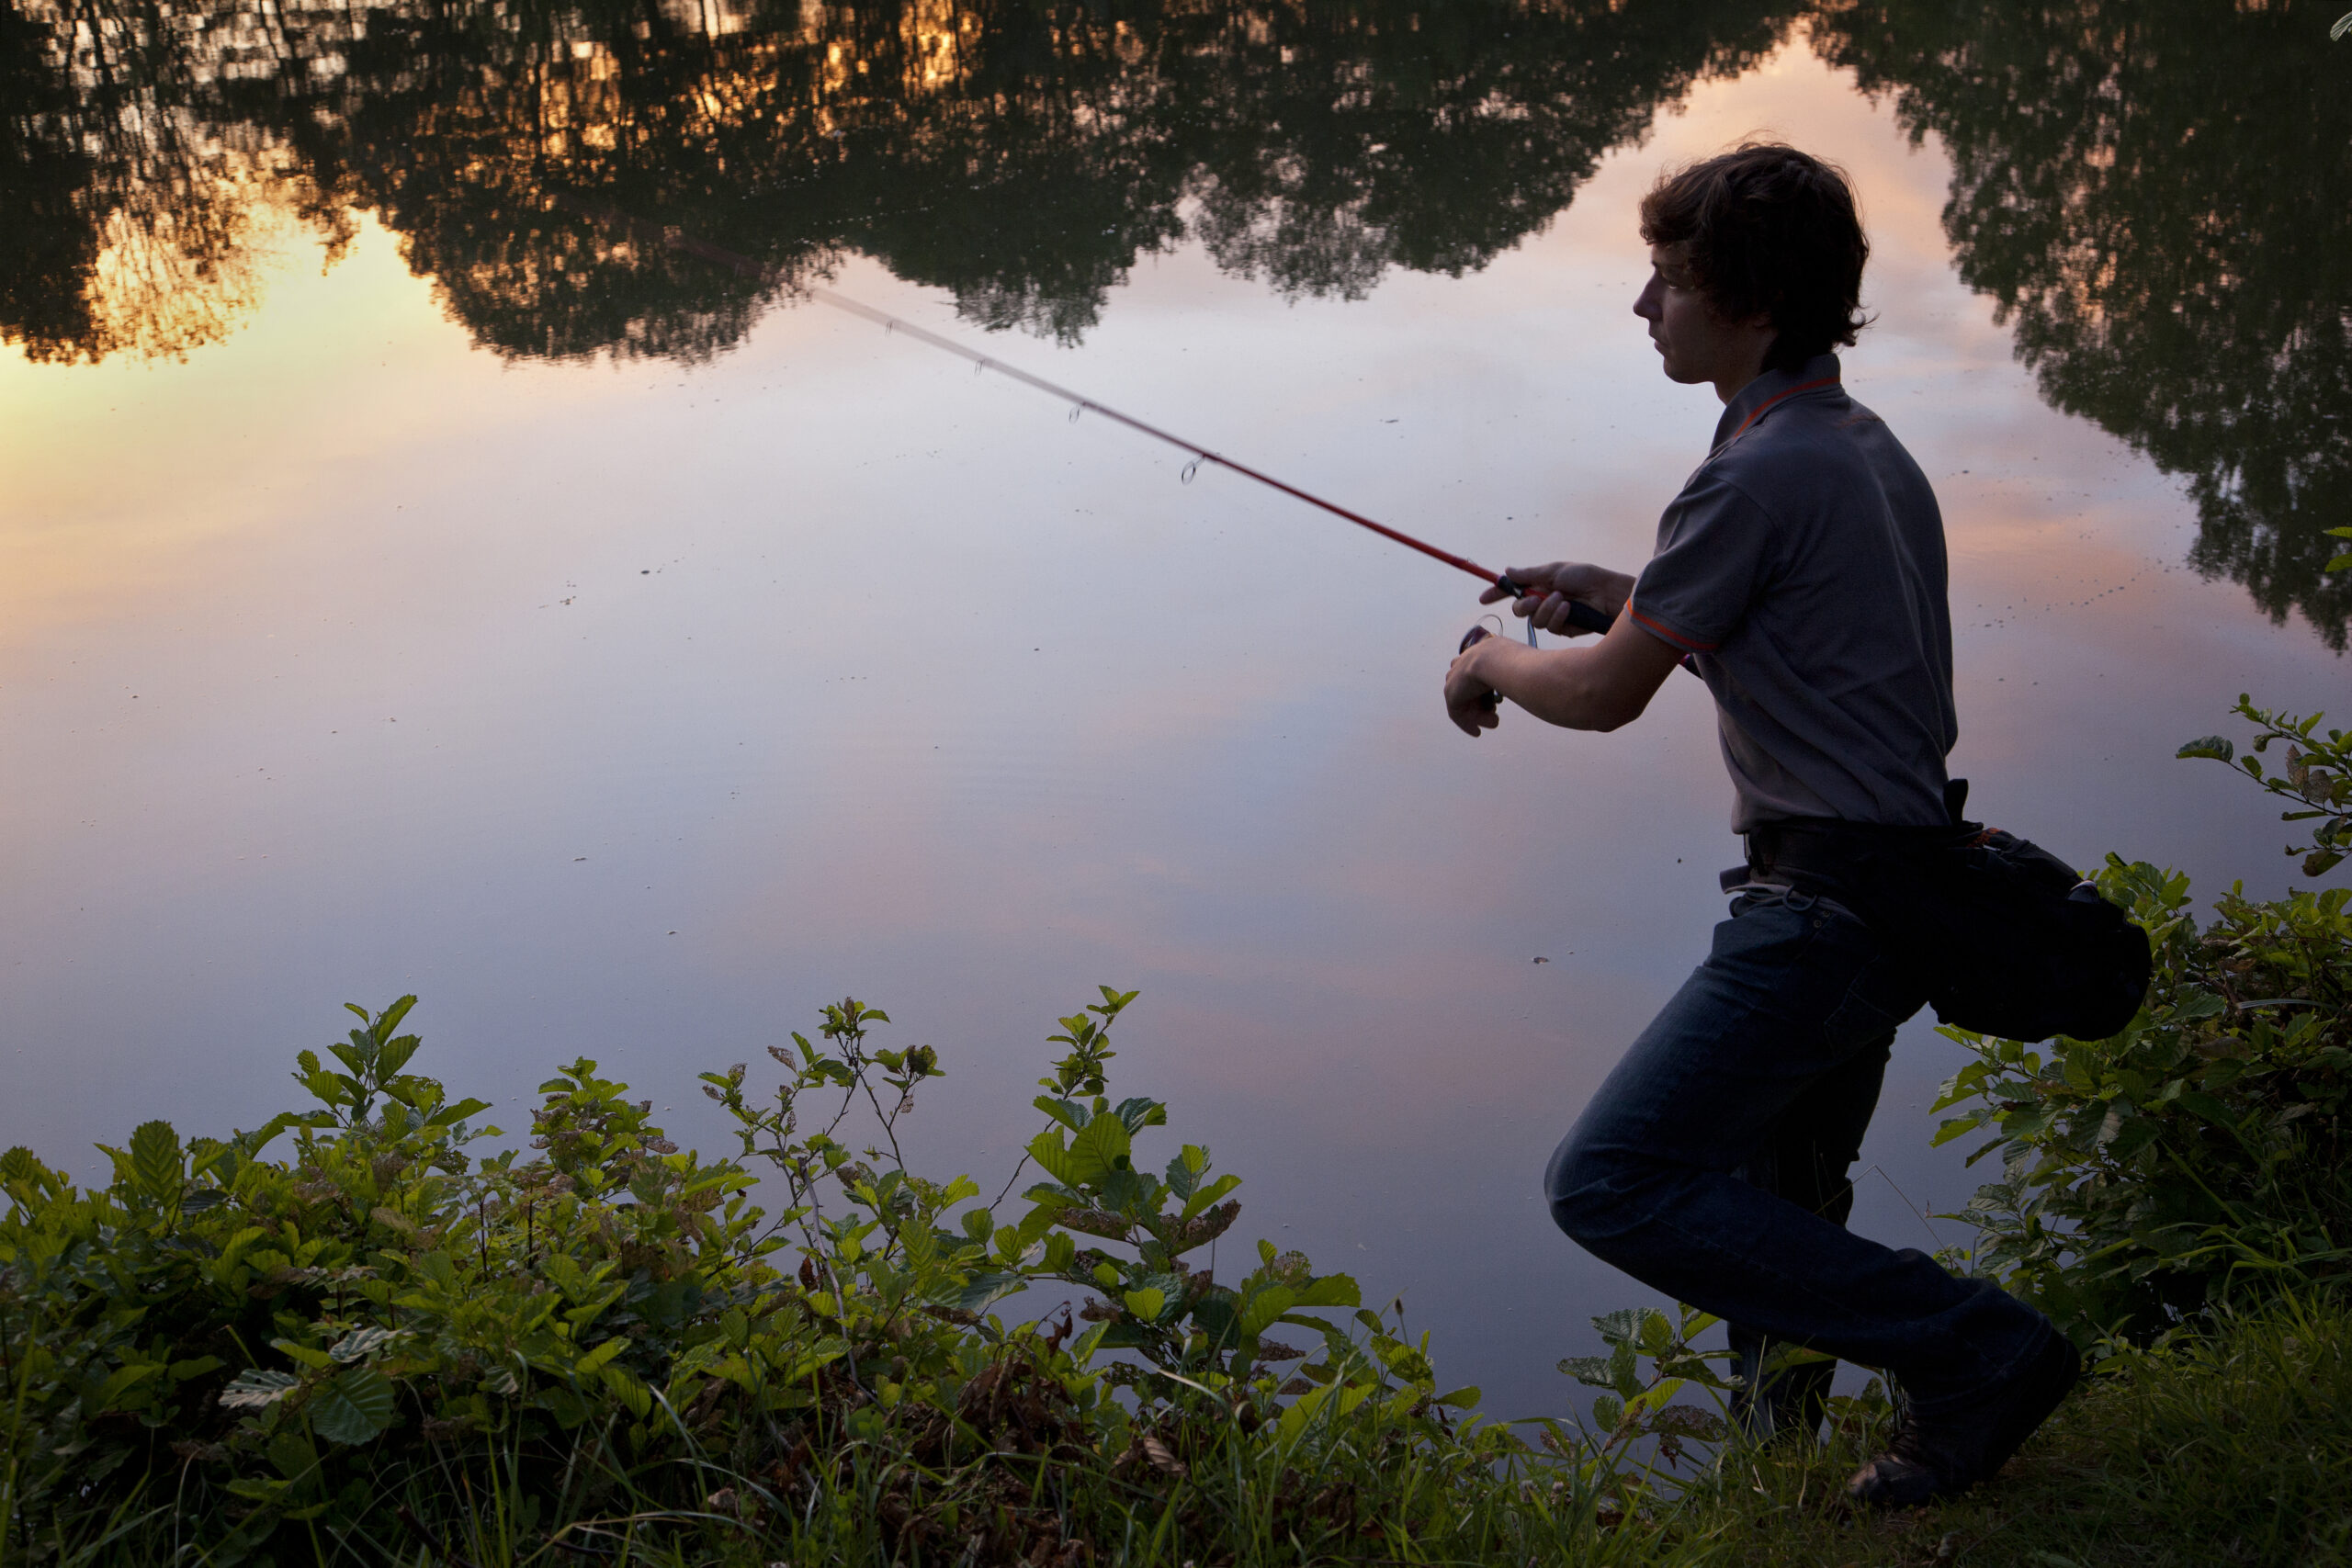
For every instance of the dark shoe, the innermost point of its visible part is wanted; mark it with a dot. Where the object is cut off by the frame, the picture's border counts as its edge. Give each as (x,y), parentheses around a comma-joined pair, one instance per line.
(1968,1437)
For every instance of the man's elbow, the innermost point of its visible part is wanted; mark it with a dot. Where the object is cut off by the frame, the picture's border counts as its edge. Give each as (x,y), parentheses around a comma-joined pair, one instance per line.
(1609,710)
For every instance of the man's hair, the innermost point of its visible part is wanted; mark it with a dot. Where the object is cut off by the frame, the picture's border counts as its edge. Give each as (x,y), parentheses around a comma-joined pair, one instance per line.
(1768,230)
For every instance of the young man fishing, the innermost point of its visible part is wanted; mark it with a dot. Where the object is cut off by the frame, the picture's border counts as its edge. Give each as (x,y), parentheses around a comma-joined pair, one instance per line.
(1800,573)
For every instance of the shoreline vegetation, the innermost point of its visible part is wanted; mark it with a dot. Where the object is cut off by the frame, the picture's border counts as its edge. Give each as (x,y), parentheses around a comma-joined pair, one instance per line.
(344,1337)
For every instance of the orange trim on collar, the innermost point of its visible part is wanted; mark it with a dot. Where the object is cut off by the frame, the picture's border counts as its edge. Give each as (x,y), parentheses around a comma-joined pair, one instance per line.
(1758,411)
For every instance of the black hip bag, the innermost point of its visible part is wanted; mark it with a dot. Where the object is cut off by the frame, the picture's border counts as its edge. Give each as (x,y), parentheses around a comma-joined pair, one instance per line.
(2004,936)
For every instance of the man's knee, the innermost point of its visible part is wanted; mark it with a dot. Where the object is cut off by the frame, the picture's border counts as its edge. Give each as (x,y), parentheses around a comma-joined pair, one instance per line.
(1593,1190)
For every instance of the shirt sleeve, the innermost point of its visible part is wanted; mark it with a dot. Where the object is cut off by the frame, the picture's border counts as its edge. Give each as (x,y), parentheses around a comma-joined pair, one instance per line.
(1714,556)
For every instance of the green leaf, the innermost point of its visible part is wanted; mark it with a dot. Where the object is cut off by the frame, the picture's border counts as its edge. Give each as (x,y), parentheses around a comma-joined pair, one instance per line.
(2217,747)
(1617,1326)
(983,1290)
(1206,1196)
(1624,1372)
(569,1410)
(1262,1308)
(390,1018)
(292,1455)
(359,1342)
(395,1056)
(1958,1126)
(1330,1291)
(155,1163)
(597,1359)
(628,1391)
(2208,1107)
(1104,1147)
(1053,1157)
(1146,1303)
(123,1380)
(2136,1134)
(1345,1397)
(2028,1125)
(303,1354)
(1137,1113)
(259,1491)
(1185,1169)
(256,1387)
(353,1407)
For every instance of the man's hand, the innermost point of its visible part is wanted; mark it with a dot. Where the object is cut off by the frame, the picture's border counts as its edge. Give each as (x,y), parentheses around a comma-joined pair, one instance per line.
(1470,703)
(1549,589)
(1599,686)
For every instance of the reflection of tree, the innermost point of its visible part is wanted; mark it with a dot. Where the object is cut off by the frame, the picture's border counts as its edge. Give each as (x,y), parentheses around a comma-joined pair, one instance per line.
(136,220)
(2160,195)
(1020,153)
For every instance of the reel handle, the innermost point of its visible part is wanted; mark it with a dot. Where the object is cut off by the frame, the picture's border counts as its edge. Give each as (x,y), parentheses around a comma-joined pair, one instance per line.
(1476,634)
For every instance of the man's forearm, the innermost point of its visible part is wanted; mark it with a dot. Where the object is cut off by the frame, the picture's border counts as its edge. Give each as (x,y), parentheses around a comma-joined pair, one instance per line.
(1556,685)
(1598,687)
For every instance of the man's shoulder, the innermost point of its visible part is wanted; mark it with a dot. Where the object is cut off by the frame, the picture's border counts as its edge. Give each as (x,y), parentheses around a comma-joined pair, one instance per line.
(1811,447)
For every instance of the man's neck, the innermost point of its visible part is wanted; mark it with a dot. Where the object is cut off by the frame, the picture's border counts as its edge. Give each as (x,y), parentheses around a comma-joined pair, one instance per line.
(1733,383)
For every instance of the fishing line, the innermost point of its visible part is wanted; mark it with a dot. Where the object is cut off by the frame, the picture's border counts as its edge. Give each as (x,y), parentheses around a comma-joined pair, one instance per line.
(1581,615)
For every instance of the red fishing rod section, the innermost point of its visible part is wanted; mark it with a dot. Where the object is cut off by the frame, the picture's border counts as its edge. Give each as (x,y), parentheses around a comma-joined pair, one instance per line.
(1581,615)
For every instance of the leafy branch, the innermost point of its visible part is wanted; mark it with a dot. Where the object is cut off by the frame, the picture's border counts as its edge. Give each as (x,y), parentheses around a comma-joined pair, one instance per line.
(2317,775)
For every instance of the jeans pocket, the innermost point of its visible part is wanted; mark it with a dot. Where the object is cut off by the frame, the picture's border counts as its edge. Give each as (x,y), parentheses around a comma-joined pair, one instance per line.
(1875,1004)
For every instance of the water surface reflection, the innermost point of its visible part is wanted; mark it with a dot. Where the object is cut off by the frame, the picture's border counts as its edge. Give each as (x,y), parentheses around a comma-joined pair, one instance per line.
(636,706)
(2157,197)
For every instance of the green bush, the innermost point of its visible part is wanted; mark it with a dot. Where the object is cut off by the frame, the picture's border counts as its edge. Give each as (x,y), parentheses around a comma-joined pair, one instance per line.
(2202,1150)
(386,1345)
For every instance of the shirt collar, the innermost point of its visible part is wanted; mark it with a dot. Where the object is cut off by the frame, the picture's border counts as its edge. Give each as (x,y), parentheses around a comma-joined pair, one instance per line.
(1769,388)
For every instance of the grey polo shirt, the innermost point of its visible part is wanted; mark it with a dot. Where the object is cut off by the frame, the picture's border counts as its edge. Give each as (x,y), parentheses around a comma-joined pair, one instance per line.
(1802,570)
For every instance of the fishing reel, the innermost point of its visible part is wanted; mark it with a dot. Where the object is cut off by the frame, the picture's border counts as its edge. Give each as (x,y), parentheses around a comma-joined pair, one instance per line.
(1581,615)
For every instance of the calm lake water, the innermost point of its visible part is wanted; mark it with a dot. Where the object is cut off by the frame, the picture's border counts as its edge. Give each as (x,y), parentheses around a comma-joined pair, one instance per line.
(407,584)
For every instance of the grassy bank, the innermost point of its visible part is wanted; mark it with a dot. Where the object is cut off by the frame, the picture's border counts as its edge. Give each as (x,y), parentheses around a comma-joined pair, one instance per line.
(2232,1444)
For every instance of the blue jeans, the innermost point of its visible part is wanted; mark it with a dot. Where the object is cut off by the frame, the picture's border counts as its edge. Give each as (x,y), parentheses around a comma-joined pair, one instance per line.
(1776,1044)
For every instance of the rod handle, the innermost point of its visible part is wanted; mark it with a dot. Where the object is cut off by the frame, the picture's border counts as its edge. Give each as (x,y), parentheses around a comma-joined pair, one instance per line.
(1581,615)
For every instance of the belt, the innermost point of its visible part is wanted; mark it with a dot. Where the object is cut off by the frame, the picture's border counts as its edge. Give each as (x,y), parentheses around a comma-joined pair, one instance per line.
(1828,852)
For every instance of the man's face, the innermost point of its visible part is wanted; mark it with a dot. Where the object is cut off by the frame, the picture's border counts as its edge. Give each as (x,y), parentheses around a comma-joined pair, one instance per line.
(1695,343)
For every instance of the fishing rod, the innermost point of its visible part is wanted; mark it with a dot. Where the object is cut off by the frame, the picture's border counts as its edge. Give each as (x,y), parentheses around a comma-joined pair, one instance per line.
(1583,616)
